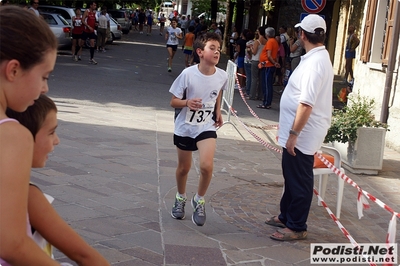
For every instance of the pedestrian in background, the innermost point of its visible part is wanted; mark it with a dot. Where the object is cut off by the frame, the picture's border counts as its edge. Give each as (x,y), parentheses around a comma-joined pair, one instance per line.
(247,61)
(197,121)
(104,23)
(268,64)
(172,37)
(77,31)
(256,48)
(149,22)
(350,53)
(162,23)
(304,119)
(188,42)
(26,64)
(296,51)
(89,20)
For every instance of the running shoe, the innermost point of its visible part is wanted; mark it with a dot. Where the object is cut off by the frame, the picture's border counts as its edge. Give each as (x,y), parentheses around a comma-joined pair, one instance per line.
(92,61)
(178,210)
(79,58)
(199,212)
(169,69)
(76,58)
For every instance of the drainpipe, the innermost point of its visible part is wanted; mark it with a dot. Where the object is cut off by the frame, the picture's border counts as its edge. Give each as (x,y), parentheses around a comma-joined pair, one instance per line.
(391,64)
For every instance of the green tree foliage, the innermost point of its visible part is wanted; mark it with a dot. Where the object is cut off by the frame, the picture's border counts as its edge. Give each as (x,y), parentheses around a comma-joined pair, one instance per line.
(200,6)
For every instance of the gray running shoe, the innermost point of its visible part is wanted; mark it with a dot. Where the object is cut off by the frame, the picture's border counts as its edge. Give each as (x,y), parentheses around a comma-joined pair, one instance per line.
(178,210)
(199,212)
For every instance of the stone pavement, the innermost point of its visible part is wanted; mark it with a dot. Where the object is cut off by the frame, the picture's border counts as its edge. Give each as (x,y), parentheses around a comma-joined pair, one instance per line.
(113,180)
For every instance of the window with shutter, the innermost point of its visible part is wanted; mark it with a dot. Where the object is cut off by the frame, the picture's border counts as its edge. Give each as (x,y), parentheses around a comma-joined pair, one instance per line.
(388,32)
(368,31)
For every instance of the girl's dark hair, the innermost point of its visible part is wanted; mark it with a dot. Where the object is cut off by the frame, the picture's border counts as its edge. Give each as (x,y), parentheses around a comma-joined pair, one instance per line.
(24,37)
(33,117)
(201,41)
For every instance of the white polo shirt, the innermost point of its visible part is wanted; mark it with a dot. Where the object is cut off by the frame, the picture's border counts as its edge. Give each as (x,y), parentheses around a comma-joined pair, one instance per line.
(311,83)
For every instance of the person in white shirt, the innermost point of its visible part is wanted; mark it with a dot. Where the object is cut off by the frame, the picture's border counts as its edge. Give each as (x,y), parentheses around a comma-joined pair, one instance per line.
(172,37)
(104,24)
(304,119)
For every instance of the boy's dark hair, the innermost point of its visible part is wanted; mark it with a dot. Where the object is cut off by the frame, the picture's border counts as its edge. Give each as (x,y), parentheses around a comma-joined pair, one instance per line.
(201,41)
(191,28)
(33,117)
(317,37)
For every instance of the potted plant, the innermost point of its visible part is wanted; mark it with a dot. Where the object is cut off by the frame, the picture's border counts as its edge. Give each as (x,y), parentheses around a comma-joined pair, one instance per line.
(358,137)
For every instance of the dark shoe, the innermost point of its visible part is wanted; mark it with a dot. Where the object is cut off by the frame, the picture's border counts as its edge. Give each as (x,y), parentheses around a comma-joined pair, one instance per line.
(199,212)
(178,210)
(262,106)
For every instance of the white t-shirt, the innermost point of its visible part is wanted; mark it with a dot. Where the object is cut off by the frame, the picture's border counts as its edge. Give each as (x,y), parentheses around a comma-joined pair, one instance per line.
(103,21)
(172,33)
(197,85)
(310,83)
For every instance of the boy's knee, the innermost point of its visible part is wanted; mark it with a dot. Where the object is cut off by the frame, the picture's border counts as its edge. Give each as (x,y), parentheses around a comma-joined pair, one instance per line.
(206,167)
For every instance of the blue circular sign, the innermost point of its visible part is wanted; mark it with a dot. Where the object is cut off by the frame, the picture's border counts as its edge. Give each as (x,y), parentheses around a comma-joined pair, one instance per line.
(313,6)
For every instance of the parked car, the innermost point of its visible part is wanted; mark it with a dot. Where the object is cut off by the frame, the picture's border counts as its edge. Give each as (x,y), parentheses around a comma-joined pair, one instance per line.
(66,12)
(123,18)
(60,27)
(115,31)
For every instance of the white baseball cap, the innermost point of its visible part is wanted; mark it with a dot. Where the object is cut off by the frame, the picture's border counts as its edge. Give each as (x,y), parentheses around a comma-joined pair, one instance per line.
(312,22)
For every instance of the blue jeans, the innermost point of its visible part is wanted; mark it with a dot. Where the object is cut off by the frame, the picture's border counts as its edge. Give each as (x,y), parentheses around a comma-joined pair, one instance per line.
(268,89)
(299,182)
(247,71)
(263,82)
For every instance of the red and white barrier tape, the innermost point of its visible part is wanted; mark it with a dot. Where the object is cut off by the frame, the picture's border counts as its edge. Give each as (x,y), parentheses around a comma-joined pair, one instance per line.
(361,200)
(363,203)
(248,106)
(339,224)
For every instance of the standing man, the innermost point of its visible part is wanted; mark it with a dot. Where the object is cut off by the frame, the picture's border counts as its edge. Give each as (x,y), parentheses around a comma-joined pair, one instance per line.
(305,116)
(89,20)
(269,62)
(34,7)
(350,54)
(142,20)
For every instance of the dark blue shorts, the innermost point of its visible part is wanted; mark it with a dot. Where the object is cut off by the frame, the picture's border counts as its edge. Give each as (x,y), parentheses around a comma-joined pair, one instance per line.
(240,63)
(189,52)
(350,54)
(190,144)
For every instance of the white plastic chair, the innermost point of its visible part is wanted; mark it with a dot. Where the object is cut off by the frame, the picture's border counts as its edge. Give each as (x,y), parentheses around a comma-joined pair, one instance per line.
(323,174)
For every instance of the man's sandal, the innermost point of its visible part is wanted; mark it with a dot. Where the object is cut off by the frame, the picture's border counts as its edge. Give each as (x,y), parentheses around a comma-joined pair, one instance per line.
(273,222)
(289,236)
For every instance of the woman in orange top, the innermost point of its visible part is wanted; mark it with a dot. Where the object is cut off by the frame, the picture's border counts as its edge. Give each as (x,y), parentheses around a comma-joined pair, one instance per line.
(268,64)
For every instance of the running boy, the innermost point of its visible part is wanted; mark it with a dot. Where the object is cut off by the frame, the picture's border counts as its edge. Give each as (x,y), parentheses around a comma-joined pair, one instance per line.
(172,37)
(41,121)
(197,121)
(188,46)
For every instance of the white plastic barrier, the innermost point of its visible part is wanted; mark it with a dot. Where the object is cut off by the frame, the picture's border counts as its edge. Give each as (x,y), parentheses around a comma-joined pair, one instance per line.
(227,96)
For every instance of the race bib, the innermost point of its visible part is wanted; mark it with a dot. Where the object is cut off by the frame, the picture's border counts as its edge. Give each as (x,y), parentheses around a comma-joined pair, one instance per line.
(201,116)
(78,23)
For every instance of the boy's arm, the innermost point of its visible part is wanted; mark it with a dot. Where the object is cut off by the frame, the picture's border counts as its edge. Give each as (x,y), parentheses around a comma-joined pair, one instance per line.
(192,104)
(16,247)
(218,115)
(57,232)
